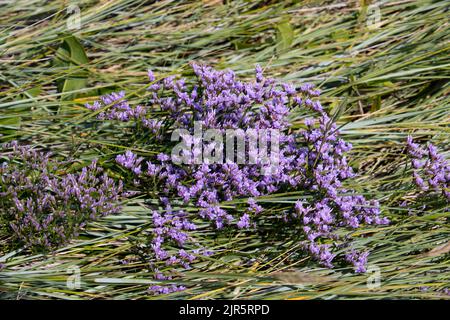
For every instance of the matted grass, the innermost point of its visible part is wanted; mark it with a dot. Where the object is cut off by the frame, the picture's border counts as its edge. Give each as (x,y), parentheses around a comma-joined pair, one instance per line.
(383,81)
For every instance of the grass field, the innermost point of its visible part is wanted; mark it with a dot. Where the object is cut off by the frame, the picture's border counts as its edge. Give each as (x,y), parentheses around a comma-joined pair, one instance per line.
(383,68)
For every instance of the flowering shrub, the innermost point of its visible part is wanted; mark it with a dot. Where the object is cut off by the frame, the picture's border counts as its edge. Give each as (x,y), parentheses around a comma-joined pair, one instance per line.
(43,210)
(311,160)
(431,170)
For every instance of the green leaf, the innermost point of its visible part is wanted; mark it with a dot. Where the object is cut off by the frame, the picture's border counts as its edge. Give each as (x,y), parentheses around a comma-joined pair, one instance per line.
(10,124)
(71,58)
(33,92)
(285,35)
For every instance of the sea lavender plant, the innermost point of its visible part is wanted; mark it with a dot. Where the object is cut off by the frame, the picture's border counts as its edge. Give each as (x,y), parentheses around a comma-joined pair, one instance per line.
(312,160)
(43,209)
(431,171)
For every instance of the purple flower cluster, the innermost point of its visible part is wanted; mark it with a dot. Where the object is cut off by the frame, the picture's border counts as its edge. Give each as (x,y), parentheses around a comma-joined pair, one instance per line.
(156,289)
(358,259)
(431,171)
(323,169)
(172,227)
(114,106)
(44,210)
(313,160)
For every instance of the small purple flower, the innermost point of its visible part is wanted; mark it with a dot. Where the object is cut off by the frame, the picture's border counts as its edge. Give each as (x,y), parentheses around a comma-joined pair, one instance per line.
(158,290)
(244,222)
(130,161)
(358,259)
